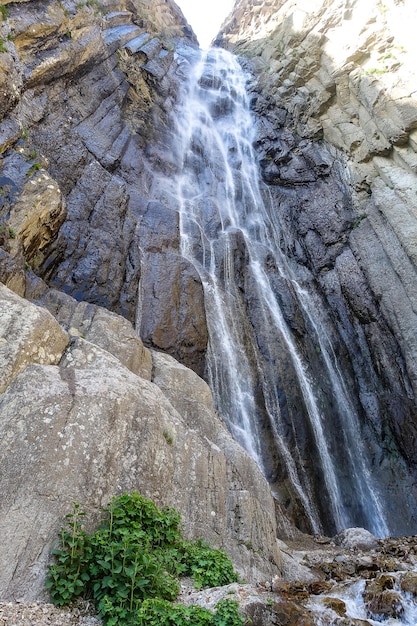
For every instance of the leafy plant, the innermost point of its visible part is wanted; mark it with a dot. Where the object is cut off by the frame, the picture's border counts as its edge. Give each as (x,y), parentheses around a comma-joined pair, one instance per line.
(130,566)
(68,576)
(12,233)
(158,612)
(3,47)
(3,12)
(227,614)
(207,566)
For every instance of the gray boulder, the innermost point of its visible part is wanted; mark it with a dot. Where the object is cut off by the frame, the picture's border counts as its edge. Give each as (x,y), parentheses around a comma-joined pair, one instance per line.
(28,334)
(85,427)
(356,539)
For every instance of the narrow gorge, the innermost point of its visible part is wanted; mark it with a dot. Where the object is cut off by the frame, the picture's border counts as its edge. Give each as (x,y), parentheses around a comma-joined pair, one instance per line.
(208,275)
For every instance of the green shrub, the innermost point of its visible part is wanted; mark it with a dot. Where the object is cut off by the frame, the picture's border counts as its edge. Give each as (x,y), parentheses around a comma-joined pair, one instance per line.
(130,566)
(227,614)
(67,578)
(157,612)
(208,567)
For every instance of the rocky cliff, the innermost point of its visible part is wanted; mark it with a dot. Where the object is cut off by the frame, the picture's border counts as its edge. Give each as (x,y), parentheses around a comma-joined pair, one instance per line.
(335,99)
(86,97)
(86,410)
(89,236)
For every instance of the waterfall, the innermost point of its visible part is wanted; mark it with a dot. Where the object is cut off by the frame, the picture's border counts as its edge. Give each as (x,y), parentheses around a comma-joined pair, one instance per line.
(254,355)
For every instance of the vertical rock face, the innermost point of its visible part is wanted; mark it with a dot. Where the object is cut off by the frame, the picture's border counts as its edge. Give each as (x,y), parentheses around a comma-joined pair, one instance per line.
(84,138)
(86,95)
(334,99)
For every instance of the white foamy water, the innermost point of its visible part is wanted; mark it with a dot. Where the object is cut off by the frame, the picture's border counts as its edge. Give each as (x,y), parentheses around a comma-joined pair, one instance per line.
(228,236)
(351,593)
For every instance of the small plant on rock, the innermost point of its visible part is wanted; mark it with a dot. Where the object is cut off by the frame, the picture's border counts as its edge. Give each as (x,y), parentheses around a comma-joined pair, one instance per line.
(33,168)
(169,438)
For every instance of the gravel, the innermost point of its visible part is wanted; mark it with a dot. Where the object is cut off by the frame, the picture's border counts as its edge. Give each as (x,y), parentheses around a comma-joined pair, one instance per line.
(42,614)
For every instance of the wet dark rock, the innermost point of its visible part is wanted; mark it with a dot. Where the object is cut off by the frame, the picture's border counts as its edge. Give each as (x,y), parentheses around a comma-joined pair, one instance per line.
(319,587)
(384,605)
(287,613)
(408,583)
(12,270)
(290,590)
(173,317)
(337,605)
(340,220)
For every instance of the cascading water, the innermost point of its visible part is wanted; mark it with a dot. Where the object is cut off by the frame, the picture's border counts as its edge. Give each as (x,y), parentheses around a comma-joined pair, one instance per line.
(228,235)
(400,611)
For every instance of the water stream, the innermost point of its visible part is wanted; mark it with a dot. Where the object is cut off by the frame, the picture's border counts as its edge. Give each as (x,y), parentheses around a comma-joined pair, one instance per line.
(228,235)
(401,610)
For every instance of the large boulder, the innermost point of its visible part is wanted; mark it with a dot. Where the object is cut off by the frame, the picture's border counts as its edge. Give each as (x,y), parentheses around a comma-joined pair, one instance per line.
(88,427)
(28,334)
(101,327)
(356,538)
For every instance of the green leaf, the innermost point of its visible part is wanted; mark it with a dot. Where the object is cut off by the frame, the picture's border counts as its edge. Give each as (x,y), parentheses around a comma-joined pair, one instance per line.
(130,571)
(108,581)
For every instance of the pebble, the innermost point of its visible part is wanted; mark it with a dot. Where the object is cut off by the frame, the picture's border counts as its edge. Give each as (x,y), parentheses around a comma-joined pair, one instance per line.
(43,614)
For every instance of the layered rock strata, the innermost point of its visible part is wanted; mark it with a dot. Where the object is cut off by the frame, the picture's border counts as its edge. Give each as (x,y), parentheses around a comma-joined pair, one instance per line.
(84,137)
(86,93)
(336,108)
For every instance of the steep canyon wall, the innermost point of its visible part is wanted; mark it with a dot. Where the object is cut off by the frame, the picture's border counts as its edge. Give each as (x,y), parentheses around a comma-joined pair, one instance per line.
(86,134)
(88,226)
(86,410)
(334,96)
